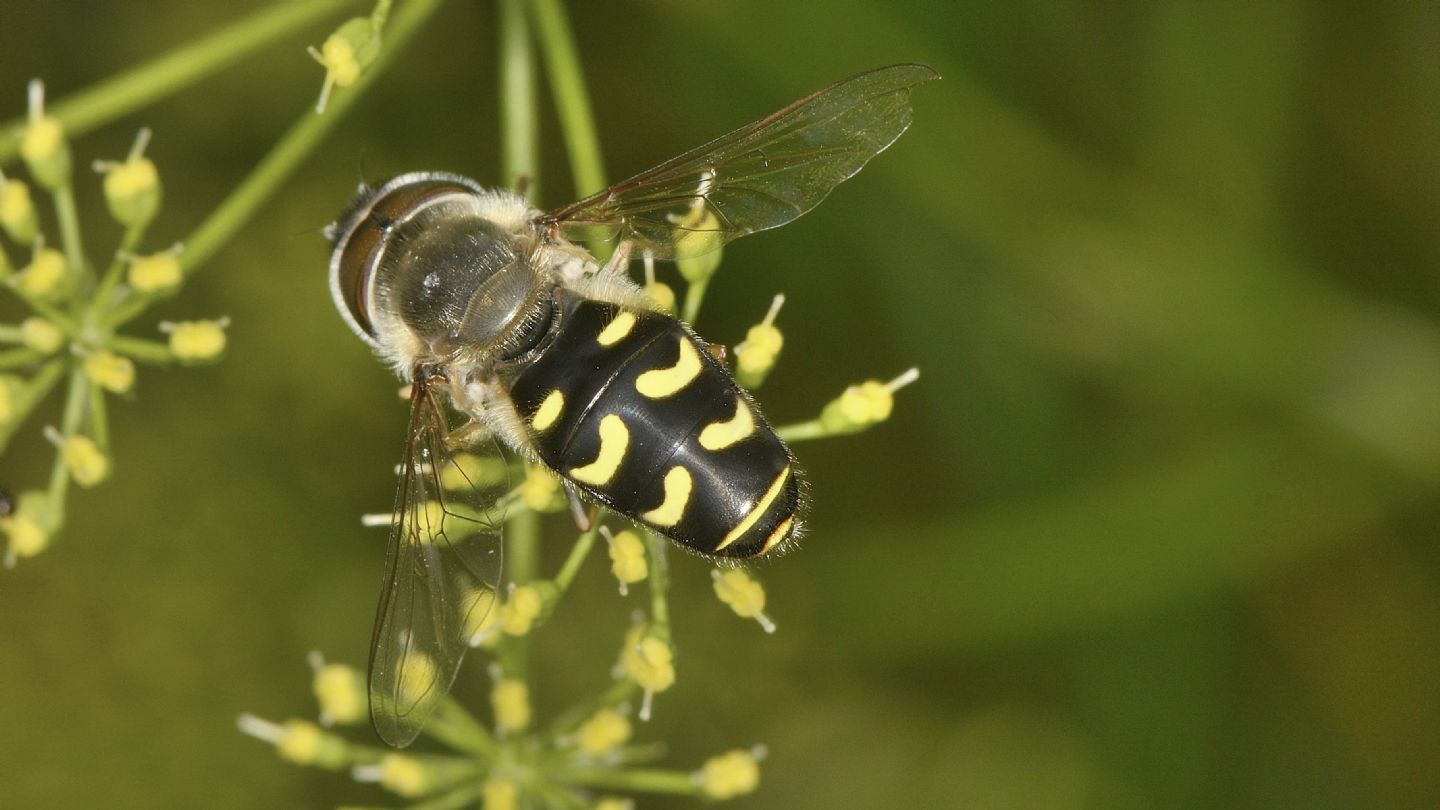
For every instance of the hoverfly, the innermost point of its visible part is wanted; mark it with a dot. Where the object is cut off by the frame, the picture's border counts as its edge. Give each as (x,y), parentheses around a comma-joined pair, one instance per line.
(489,309)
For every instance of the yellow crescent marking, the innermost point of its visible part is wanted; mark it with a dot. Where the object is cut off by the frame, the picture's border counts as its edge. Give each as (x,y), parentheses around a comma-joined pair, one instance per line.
(614,440)
(779,534)
(720,435)
(759,511)
(677,495)
(662,382)
(548,412)
(616,329)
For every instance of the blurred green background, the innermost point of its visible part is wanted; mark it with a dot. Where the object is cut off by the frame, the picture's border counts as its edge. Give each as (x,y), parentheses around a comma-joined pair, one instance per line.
(1155,529)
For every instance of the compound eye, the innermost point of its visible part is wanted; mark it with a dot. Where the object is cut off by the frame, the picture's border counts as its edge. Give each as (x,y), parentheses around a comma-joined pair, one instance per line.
(351,267)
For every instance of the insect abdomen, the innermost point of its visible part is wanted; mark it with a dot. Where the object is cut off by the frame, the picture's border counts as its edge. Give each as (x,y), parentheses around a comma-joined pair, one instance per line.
(631,408)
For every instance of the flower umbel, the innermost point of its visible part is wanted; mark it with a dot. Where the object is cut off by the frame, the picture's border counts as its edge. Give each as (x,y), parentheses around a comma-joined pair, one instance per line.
(73,331)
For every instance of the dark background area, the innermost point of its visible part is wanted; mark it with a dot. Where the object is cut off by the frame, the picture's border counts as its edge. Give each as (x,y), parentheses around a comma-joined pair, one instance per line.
(1155,528)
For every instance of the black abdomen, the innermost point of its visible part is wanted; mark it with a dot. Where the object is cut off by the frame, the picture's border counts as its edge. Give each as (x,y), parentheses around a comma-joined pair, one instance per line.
(631,407)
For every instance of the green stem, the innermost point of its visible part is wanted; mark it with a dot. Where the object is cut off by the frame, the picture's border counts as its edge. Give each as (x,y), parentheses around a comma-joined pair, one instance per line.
(17,357)
(576,558)
(454,726)
(519,120)
(572,101)
(694,295)
(463,796)
(31,395)
(659,585)
(802,431)
(120,95)
(116,270)
(9,334)
(99,420)
(69,220)
(297,144)
(148,351)
(522,552)
(645,780)
(75,401)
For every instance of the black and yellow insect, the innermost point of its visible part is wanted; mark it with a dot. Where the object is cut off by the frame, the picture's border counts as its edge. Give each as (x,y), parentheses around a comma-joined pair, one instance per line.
(493,313)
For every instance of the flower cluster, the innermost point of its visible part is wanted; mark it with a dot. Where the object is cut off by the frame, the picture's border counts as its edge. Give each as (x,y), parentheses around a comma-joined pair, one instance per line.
(585,756)
(73,330)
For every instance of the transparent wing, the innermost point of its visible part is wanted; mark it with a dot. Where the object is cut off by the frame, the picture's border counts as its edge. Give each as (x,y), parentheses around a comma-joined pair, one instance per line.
(441,570)
(760,176)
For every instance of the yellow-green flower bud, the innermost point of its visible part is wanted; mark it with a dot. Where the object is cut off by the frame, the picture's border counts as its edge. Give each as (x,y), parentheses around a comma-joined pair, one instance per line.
(115,373)
(132,190)
(524,606)
(30,527)
(755,355)
(197,341)
(541,490)
(510,699)
(88,465)
(627,558)
(500,793)
(733,773)
(863,405)
(744,595)
(662,296)
(156,273)
(41,335)
(46,152)
(405,776)
(346,53)
(605,731)
(698,244)
(17,212)
(45,278)
(305,743)
(340,691)
(647,660)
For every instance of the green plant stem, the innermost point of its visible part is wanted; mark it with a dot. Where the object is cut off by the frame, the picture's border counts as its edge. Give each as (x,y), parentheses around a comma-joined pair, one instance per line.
(129,91)
(694,296)
(522,552)
(802,431)
(69,220)
(9,334)
(659,585)
(645,780)
(454,726)
(577,556)
(20,356)
(519,119)
(463,796)
(133,234)
(572,101)
(147,351)
(296,145)
(75,401)
(99,419)
(31,395)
